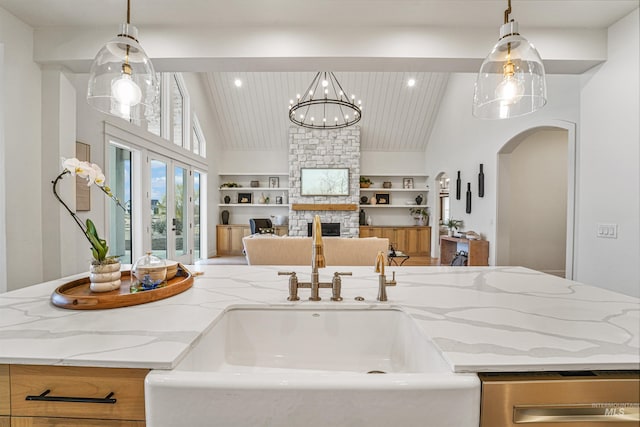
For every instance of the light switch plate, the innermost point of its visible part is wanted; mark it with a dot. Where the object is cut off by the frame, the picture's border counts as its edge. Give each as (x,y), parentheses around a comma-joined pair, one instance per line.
(607,231)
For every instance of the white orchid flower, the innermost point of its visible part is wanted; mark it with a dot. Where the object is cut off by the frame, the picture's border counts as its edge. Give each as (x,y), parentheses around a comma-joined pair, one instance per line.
(86,170)
(71,165)
(96,168)
(99,180)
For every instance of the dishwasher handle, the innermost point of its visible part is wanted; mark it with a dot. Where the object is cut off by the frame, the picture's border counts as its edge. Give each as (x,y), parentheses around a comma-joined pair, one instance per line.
(591,413)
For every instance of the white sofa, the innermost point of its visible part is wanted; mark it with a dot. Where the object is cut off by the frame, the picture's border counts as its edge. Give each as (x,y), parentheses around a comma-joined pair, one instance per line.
(274,250)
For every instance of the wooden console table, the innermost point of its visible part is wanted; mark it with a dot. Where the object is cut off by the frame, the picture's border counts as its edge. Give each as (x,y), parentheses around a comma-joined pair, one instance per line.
(478,250)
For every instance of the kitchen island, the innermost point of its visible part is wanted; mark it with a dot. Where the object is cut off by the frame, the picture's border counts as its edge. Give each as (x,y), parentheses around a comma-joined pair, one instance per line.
(481,319)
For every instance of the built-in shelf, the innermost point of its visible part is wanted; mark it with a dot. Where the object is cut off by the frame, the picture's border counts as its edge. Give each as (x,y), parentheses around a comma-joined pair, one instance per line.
(252,205)
(392,206)
(254,189)
(254,174)
(394,190)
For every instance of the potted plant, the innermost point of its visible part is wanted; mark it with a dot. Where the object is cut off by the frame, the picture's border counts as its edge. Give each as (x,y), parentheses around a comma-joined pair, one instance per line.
(365,182)
(105,269)
(452,224)
(229,185)
(421,215)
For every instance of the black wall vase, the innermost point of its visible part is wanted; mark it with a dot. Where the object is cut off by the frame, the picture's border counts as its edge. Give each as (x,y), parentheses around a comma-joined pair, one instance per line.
(363,217)
(468,197)
(458,187)
(225,217)
(481,182)
(227,199)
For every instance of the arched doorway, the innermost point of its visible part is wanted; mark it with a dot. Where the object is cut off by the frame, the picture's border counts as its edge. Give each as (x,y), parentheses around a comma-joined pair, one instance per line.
(535,200)
(441,211)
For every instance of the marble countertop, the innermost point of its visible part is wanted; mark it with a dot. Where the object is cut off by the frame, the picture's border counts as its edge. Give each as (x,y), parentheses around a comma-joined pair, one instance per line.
(483,319)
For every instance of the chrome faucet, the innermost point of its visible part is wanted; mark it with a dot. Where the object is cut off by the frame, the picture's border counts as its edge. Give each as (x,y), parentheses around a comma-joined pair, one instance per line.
(317,261)
(382,279)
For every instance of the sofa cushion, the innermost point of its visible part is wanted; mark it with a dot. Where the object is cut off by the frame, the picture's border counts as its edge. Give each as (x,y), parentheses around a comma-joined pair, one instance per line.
(297,250)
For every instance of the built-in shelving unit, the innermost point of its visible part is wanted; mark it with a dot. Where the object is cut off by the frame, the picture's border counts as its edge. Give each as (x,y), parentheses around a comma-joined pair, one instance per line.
(240,213)
(399,197)
(244,186)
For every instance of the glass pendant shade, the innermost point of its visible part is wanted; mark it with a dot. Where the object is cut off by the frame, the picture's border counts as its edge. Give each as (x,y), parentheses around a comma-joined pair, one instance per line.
(511,81)
(122,81)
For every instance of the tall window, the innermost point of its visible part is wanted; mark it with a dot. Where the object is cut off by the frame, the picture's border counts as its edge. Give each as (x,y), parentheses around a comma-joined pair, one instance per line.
(120,227)
(153,116)
(198,143)
(177,111)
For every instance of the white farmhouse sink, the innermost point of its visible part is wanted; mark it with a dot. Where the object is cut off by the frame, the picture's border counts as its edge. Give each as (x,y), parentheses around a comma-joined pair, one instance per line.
(260,366)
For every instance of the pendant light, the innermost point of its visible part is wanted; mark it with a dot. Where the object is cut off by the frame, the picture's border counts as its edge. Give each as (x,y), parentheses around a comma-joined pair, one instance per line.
(511,81)
(122,81)
(325,105)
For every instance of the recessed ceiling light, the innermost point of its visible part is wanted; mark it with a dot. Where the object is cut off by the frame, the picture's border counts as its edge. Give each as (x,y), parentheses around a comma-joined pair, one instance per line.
(411,82)
(237,82)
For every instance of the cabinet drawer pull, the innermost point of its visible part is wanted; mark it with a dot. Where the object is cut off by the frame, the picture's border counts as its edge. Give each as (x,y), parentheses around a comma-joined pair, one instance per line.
(44,398)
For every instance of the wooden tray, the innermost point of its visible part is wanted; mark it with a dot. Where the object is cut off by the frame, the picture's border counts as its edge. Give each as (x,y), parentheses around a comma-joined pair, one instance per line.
(76,295)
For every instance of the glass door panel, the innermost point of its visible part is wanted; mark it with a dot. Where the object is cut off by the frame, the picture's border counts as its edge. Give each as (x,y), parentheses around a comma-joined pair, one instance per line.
(196,215)
(159,208)
(120,226)
(180,218)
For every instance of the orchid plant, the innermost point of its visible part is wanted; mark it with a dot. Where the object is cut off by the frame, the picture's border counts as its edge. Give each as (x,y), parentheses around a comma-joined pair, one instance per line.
(93,174)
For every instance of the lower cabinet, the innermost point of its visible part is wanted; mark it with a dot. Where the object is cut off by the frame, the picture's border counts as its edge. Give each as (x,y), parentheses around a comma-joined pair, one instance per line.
(74,396)
(229,238)
(67,422)
(5,396)
(414,241)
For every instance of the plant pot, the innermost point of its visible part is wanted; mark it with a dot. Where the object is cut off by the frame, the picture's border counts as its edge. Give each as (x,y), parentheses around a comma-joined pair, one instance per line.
(104,277)
(364,185)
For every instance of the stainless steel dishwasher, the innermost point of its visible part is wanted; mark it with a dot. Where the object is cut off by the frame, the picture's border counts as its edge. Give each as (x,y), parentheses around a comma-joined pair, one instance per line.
(561,399)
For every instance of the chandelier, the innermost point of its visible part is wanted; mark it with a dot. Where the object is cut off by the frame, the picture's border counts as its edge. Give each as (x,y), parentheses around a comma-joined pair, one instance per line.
(325,105)
(511,81)
(122,81)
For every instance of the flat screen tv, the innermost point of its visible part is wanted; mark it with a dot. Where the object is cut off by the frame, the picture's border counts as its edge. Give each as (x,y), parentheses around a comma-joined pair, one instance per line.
(324,182)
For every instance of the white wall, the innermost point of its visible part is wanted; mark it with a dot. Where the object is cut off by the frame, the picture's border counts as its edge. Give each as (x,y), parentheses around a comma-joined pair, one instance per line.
(58,141)
(605,103)
(3,228)
(460,142)
(609,158)
(22,132)
(537,202)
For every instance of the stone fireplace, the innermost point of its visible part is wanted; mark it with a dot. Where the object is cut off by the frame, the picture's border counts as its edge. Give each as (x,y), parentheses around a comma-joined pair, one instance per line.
(311,148)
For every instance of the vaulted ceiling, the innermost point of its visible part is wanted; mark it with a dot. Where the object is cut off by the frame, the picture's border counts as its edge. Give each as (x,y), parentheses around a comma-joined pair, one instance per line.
(395,117)
(274,45)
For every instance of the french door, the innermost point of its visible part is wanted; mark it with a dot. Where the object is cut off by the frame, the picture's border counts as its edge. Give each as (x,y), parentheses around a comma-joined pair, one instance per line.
(171,210)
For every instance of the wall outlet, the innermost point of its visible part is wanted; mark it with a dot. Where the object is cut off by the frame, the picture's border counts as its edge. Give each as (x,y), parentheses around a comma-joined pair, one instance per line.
(607,231)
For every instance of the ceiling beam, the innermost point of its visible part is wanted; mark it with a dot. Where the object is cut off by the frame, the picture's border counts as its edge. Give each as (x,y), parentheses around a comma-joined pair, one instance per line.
(309,48)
